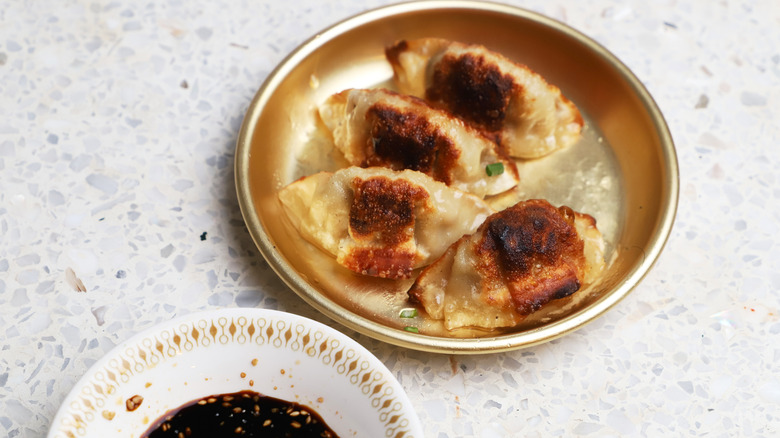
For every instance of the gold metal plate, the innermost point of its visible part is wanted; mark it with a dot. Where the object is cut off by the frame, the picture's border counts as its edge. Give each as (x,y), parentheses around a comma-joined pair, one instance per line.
(623,172)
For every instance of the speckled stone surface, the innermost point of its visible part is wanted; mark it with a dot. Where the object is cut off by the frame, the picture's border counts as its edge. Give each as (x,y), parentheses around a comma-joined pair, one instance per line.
(118,122)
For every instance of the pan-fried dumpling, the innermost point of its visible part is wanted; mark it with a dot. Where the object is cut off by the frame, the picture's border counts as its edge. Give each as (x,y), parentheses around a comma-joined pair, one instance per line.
(518,260)
(381,222)
(528,116)
(381,128)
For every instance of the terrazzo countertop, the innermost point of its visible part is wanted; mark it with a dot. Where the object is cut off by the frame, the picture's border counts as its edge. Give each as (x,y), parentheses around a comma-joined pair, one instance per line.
(118,125)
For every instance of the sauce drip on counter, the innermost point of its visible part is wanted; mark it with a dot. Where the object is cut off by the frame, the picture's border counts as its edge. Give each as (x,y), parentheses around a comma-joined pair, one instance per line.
(240,414)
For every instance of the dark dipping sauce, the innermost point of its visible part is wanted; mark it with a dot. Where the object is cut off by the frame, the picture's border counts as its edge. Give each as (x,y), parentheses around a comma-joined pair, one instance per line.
(245,414)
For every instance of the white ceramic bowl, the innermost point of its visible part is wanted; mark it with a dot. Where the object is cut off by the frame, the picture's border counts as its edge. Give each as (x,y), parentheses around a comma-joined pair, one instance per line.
(225,351)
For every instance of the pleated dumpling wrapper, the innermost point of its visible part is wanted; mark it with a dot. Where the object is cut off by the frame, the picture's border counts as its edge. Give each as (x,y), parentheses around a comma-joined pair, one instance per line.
(519,259)
(381,222)
(377,127)
(507,100)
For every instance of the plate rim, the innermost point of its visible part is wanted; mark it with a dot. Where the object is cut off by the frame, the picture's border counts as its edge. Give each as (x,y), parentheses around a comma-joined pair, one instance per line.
(437,344)
(65,410)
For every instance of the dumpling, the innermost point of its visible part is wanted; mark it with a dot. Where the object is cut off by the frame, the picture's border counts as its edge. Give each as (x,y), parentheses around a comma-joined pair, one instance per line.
(381,222)
(378,127)
(517,261)
(525,114)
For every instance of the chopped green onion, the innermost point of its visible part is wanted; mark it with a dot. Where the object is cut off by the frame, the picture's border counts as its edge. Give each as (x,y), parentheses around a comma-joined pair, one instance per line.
(412,329)
(494,169)
(408,313)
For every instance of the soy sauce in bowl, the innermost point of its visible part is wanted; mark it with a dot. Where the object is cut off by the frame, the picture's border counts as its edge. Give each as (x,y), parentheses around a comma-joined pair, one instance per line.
(240,414)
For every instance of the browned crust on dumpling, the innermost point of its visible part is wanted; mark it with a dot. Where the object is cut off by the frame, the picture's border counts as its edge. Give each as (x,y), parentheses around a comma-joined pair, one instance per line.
(535,248)
(472,89)
(382,213)
(393,52)
(391,263)
(405,140)
(383,209)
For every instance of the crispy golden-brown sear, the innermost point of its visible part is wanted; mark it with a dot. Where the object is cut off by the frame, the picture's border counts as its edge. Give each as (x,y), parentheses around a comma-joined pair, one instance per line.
(381,222)
(506,100)
(378,127)
(517,261)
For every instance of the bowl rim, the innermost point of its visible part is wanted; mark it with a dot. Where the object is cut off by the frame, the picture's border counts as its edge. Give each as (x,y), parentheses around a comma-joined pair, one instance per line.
(499,343)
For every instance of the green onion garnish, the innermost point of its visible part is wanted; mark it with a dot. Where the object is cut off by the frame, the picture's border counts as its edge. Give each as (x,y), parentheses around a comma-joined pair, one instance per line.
(408,313)
(494,169)
(412,329)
